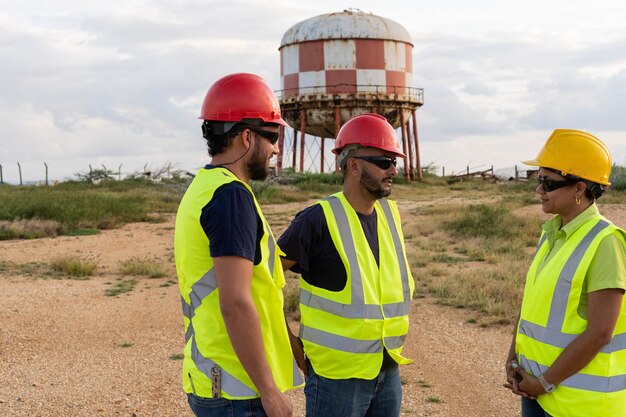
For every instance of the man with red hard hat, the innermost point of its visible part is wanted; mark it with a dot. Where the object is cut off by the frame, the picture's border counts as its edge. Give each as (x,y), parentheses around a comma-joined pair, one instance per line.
(237,358)
(356,284)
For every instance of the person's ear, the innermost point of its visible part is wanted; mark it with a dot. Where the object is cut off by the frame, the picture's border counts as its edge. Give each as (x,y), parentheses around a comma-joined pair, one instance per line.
(352,166)
(245,136)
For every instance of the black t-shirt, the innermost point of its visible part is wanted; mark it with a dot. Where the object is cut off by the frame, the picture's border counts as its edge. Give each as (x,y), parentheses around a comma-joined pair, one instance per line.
(307,241)
(232,224)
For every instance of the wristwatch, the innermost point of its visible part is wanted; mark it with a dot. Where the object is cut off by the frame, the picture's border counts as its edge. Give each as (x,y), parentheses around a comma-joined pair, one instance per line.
(548,387)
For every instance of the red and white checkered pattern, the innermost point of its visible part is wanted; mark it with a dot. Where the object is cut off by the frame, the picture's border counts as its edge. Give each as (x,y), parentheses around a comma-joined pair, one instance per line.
(361,65)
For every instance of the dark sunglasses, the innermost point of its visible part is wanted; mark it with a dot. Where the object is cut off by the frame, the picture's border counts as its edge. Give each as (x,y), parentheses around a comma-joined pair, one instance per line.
(551,185)
(382,162)
(271,136)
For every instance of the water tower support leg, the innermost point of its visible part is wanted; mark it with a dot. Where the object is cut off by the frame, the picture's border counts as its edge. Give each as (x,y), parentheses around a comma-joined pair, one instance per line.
(337,127)
(302,126)
(404,146)
(410,143)
(322,155)
(295,149)
(281,144)
(418,164)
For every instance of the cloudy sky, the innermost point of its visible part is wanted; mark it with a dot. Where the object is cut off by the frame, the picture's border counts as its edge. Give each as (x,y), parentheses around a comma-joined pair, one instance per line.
(121,83)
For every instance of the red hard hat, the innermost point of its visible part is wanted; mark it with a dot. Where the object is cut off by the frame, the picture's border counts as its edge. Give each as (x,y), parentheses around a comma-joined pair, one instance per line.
(370,130)
(241,96)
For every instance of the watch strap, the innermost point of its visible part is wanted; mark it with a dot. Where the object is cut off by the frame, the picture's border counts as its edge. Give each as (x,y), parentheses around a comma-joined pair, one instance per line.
(548,387)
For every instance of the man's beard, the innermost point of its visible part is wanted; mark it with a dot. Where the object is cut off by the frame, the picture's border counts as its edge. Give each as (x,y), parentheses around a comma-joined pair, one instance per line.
(257,167)
(372,186)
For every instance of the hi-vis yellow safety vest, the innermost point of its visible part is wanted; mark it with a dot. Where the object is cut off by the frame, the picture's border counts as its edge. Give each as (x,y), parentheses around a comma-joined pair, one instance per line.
(549,322)
(208,346)
(345,332)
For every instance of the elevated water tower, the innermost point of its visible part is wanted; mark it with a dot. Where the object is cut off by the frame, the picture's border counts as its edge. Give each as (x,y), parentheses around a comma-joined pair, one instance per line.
(338,65)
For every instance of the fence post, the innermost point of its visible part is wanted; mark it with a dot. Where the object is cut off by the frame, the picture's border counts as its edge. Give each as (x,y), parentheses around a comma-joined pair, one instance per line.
(1,178)
(19,168)
(46,165)
(443,171)
(516,173)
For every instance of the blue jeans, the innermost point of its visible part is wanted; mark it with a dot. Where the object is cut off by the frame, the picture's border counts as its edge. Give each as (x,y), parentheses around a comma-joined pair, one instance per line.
(378,397)
(222,407)
(531,408)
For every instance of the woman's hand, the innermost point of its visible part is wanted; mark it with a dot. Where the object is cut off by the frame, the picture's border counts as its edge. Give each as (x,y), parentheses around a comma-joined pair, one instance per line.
(513,379)
(528,384)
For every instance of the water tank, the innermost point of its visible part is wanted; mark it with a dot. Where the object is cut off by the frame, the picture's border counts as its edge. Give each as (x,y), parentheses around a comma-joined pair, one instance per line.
(335,66)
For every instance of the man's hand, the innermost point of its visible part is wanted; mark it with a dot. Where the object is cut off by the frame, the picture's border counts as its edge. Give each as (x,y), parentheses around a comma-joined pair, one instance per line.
(298,352)
(276,404)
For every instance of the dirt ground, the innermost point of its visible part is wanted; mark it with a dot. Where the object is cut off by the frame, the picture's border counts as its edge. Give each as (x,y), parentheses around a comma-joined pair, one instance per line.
(68,349)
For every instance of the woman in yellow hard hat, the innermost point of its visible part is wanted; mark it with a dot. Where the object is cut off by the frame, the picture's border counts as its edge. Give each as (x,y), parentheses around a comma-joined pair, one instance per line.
(568,355)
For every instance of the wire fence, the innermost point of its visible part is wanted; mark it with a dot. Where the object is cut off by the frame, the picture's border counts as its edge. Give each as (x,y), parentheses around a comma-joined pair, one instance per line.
(314,162)
(94,174)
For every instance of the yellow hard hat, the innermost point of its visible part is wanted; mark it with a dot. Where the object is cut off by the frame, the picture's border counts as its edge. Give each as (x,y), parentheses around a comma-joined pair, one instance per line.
(577,153)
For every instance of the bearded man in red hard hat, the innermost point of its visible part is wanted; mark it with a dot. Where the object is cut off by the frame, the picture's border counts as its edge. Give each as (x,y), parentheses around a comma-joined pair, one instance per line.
(237,358)
(356,285)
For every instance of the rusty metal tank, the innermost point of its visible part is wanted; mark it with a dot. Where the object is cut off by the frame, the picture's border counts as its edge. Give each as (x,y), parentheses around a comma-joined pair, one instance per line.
(335,66)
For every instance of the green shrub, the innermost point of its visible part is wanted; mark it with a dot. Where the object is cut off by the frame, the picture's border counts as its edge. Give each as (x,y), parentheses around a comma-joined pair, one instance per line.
(73,267)
(122,286)
(142,266)
(490,222)
(618,178)
(78,205)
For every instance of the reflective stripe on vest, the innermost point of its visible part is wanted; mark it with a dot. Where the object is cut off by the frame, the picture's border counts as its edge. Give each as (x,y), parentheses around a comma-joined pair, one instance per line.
(358,309)
(397,309)
(581,381)
(552,335)
(346,344)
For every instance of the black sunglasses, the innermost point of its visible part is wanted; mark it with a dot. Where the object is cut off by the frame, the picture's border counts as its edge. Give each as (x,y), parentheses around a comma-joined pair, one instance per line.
(271,136)
(551,185)
(382,162)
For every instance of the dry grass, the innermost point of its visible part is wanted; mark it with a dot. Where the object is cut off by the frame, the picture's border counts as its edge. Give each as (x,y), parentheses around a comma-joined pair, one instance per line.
(472,255)
(496,291)
(74,267)
(142,266)
(29,229)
